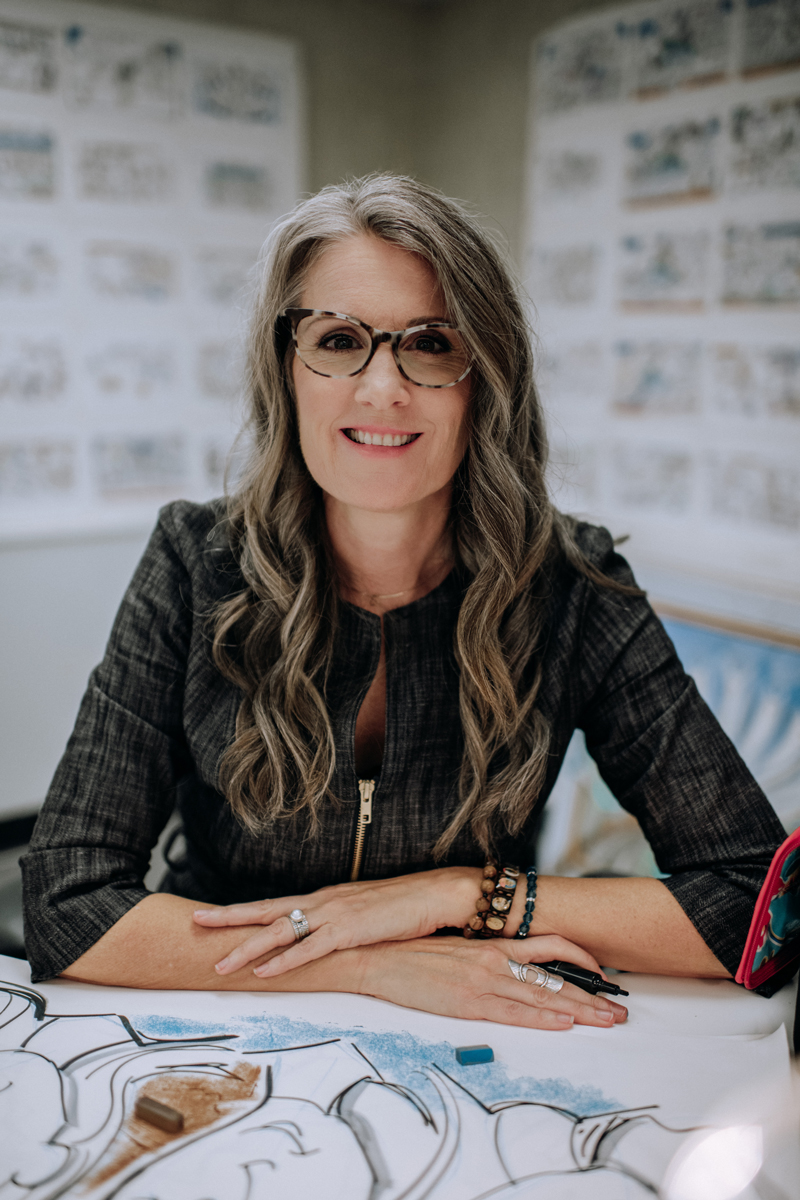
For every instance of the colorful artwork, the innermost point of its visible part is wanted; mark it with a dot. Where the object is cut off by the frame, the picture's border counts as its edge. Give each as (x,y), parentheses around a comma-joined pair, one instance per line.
(123,271)
(27,165)
(27,58)
(762,264)
(771,36)
(663,270)
(238,185)
(579,67)
(766,145)
(676,162)
(123,172)
(125,467)
(784,914)
(119,71)
(686,44)
(235,92)
(661,378)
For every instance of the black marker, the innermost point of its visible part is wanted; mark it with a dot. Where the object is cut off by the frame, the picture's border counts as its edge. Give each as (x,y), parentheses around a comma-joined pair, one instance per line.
(590,981)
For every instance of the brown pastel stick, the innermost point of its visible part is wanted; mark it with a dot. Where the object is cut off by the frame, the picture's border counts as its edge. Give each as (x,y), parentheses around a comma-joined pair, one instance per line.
(160,1115)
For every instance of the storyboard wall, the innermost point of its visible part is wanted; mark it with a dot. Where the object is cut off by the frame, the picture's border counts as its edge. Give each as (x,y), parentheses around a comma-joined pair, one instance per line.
(142,162)
(664,266)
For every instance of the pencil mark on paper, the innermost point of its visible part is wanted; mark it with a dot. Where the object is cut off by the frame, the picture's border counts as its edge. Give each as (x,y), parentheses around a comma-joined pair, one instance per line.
(123,172)
(235,91)
(672,163)
(117,71)
(36,469)
(126,271)
(657,378)
(278,1108)
(766,145)
(137,465)
(762,264)
(27,58)
(27,165)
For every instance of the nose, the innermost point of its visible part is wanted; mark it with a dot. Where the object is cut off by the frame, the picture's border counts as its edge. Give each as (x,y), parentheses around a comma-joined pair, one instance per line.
(380,384)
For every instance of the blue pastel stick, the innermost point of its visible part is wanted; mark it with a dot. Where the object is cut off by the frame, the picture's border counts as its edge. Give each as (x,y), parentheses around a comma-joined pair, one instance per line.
(468,1055)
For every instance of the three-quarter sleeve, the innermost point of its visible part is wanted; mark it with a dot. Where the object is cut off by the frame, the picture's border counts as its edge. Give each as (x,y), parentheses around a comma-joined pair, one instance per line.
(114,789)
(667,760)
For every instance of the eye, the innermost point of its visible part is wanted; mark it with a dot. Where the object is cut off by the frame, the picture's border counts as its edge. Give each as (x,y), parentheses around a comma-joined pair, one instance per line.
(428,343)
(339,340)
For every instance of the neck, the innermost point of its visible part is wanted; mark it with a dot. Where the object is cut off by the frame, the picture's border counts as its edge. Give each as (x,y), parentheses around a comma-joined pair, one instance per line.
(386,560)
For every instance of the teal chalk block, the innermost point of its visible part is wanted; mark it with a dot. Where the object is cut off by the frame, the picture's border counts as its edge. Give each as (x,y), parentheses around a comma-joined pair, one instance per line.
(468,1055)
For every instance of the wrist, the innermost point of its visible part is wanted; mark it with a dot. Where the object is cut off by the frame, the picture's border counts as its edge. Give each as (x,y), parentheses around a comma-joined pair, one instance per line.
(463,891)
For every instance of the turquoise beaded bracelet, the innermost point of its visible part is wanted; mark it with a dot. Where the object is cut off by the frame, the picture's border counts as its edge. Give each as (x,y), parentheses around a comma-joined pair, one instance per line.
(530,904)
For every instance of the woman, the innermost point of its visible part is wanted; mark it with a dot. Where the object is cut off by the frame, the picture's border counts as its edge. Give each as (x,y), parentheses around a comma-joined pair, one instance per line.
(369,665)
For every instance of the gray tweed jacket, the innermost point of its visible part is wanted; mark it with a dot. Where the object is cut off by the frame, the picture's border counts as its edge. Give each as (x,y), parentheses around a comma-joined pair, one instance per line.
(157,715)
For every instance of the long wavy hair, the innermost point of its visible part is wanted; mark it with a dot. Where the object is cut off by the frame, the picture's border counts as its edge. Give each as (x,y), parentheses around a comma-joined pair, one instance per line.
(274,639)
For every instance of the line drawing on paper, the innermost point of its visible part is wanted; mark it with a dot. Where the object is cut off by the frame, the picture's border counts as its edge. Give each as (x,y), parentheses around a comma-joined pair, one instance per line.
(766,145)
(663,270)
(771,36)
(762,264)
(232,91)
(657,378)
(652,477)
(132,371)
(126,271)
(29,267)
(565,275)
(37,469)
(278,1108)
(580,66)
(123,172)
(27,58)
(757,381)
(238,185)
(31,369)
(137,465)
(685,45)
(674,163)
(116,71)
(756,490)
(27,165)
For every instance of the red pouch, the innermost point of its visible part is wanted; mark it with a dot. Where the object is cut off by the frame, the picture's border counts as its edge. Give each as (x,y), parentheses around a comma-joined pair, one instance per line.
(773,942)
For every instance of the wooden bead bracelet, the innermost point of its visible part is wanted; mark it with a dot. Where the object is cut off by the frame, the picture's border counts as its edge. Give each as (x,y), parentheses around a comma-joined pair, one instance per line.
(497,895)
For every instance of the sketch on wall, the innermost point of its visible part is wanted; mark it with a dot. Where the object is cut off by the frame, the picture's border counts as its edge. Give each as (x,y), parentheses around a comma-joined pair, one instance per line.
(663,231)
(143,161)
(276,1105)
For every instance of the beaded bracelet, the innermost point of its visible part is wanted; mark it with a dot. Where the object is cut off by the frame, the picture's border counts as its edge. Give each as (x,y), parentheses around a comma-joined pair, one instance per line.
(495,902)
(530,904)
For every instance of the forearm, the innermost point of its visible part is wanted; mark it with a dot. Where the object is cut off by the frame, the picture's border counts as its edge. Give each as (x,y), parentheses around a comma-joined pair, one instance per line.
(158,945)
(630,924)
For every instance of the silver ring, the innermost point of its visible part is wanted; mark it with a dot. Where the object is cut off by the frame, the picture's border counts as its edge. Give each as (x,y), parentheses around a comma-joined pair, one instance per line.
(299,924)
(551,983)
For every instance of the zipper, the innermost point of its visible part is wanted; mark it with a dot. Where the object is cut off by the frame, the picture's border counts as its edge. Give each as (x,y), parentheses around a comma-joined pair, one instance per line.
(366,787)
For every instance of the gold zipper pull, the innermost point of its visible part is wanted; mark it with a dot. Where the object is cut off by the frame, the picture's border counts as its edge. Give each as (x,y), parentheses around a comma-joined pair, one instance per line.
(366,787)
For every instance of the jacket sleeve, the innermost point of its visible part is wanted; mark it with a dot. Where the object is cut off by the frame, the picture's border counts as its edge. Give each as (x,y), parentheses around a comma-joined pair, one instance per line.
(667,760)
(114,788)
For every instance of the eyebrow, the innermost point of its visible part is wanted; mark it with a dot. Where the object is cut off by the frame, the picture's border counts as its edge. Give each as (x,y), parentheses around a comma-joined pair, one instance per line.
(426,321)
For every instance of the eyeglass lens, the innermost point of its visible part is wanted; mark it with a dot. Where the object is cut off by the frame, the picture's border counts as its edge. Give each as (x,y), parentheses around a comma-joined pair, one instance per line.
(335,347)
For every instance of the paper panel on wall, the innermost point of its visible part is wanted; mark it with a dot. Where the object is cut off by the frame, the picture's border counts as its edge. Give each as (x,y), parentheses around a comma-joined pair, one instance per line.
(143,160)
(664,234)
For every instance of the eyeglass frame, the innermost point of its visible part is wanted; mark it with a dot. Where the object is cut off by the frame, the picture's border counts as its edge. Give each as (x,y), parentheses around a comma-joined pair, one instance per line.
(377,336)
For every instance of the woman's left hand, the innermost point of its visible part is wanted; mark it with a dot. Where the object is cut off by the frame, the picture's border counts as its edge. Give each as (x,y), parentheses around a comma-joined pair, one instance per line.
(346,915)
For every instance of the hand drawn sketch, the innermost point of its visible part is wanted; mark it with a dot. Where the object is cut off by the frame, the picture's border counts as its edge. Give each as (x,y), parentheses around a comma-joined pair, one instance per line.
(223,274)
(652,477)
(756,381)
(766,145)
(771,36)
(568,174)
(238,185)
(682,45)
(112,71)
(130,272)
(751,488)
(282,1108)
(27,166)
(27,58)
(36,469)
(663,270)
(138,464)
(234,91)
(132,371)
(676,162)
(579,67)
(762,264)
(123,172)
(29,267)
(31,369)
(657,378)
(565,275)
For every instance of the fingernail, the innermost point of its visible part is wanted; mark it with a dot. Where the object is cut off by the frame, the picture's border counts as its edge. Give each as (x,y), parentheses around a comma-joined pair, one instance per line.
(605,1015)
(564,1019)
(201,912)
(261,971)
(221,965)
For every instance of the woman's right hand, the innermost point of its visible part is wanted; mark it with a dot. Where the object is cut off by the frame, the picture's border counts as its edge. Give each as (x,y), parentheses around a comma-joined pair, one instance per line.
(472,979)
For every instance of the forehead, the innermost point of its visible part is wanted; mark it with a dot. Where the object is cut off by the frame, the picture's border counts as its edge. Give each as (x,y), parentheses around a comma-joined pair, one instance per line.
(381,283)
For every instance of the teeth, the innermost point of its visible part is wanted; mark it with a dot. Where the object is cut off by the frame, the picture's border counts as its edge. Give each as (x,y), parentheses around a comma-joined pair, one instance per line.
(380,439)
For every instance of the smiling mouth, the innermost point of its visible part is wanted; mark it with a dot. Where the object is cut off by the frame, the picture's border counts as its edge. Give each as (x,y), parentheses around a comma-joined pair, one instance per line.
(380,439)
